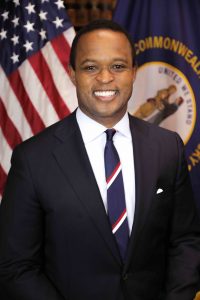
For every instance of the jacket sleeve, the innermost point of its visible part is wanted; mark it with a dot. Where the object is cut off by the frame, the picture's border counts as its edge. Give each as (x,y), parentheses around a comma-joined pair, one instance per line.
(182,280)
(22,274)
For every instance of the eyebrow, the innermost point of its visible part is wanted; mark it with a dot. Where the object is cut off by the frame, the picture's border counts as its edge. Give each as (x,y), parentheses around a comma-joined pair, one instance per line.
(94,61)
(88,60)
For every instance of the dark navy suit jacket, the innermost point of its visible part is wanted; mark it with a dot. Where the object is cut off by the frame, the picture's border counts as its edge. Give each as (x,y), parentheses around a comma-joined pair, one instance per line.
(55,239)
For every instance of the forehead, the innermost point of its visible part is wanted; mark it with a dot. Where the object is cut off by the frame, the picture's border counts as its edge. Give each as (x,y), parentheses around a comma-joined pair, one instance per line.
(103,41)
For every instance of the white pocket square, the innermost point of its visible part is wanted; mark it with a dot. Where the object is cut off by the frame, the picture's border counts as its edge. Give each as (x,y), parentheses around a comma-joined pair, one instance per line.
(159,191)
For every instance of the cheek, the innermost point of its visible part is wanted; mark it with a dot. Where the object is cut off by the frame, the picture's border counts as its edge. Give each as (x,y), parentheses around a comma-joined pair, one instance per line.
(125,82)
(84,85)
(127,86)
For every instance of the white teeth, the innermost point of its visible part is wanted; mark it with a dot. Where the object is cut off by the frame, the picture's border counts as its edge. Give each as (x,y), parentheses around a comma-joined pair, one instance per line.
(104,93)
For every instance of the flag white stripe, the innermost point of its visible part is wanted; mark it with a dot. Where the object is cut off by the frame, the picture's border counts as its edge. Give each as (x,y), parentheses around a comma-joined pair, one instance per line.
(13,107)
(5,153)
(69,35)
(37,95)
(60,77)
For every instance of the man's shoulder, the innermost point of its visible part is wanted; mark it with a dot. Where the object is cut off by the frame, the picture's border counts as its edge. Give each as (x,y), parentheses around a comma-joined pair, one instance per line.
(51,135)
(150,129)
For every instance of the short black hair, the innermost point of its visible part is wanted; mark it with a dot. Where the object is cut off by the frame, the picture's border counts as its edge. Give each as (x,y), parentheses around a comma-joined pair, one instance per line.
(96,25)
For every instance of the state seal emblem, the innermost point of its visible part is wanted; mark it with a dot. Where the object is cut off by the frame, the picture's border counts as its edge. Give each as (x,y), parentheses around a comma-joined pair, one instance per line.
(167,101)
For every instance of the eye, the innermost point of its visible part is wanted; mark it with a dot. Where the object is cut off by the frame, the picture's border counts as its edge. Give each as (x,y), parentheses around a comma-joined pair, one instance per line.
(118,67)
(90,68)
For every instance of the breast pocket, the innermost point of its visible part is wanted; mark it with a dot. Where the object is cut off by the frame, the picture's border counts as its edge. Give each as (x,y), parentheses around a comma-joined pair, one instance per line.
(161,209)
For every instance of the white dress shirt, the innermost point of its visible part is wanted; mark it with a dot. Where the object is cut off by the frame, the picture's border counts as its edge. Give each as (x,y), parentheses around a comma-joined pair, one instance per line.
(94,138)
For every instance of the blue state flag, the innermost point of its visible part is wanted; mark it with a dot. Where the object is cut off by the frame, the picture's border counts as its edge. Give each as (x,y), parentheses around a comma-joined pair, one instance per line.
(167,87)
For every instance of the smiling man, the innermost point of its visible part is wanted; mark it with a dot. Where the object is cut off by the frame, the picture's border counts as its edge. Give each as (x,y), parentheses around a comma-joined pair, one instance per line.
(99,206)
(103,74)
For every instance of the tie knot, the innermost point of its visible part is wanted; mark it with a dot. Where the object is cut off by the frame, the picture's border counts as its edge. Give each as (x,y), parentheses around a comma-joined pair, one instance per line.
(110,133)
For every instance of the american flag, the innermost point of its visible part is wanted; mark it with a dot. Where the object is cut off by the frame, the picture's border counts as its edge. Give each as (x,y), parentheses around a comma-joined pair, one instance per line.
(35,89)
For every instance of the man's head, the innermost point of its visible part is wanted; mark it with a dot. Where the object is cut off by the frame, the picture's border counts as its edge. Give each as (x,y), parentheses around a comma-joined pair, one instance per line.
(102,69)
(97,25)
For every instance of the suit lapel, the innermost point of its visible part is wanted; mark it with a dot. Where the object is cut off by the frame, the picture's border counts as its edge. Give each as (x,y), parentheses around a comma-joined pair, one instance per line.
(72,157)
(145,160)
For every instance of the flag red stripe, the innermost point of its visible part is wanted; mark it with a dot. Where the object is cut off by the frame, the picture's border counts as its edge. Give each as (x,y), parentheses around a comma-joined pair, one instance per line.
(29,110)
(8,128)
(3,177)
(62,49)
(43,72)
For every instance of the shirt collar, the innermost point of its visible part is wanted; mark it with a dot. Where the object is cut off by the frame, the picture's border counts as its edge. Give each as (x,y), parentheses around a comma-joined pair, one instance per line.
(90,129)
(123,127)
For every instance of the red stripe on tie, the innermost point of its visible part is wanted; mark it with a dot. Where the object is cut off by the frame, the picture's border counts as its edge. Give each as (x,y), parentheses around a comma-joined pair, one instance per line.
(119,219)
(113,173)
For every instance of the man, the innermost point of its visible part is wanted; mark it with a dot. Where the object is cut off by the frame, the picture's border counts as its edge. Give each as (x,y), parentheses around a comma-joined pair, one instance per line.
(56,239)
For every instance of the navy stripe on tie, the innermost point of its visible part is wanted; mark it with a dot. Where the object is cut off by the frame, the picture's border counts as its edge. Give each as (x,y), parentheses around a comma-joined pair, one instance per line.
(115,194)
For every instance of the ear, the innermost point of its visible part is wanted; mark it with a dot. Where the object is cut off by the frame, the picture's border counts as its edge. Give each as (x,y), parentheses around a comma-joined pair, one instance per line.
(72,74)
(134,72)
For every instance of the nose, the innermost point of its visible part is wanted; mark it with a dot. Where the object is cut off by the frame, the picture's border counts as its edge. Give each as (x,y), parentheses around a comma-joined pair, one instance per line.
(105,76)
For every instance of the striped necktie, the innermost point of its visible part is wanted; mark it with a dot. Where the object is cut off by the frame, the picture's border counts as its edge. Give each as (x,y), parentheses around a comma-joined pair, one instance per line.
(115,194)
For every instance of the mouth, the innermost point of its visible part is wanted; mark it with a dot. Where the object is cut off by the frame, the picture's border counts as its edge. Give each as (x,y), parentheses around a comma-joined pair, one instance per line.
(105,95)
